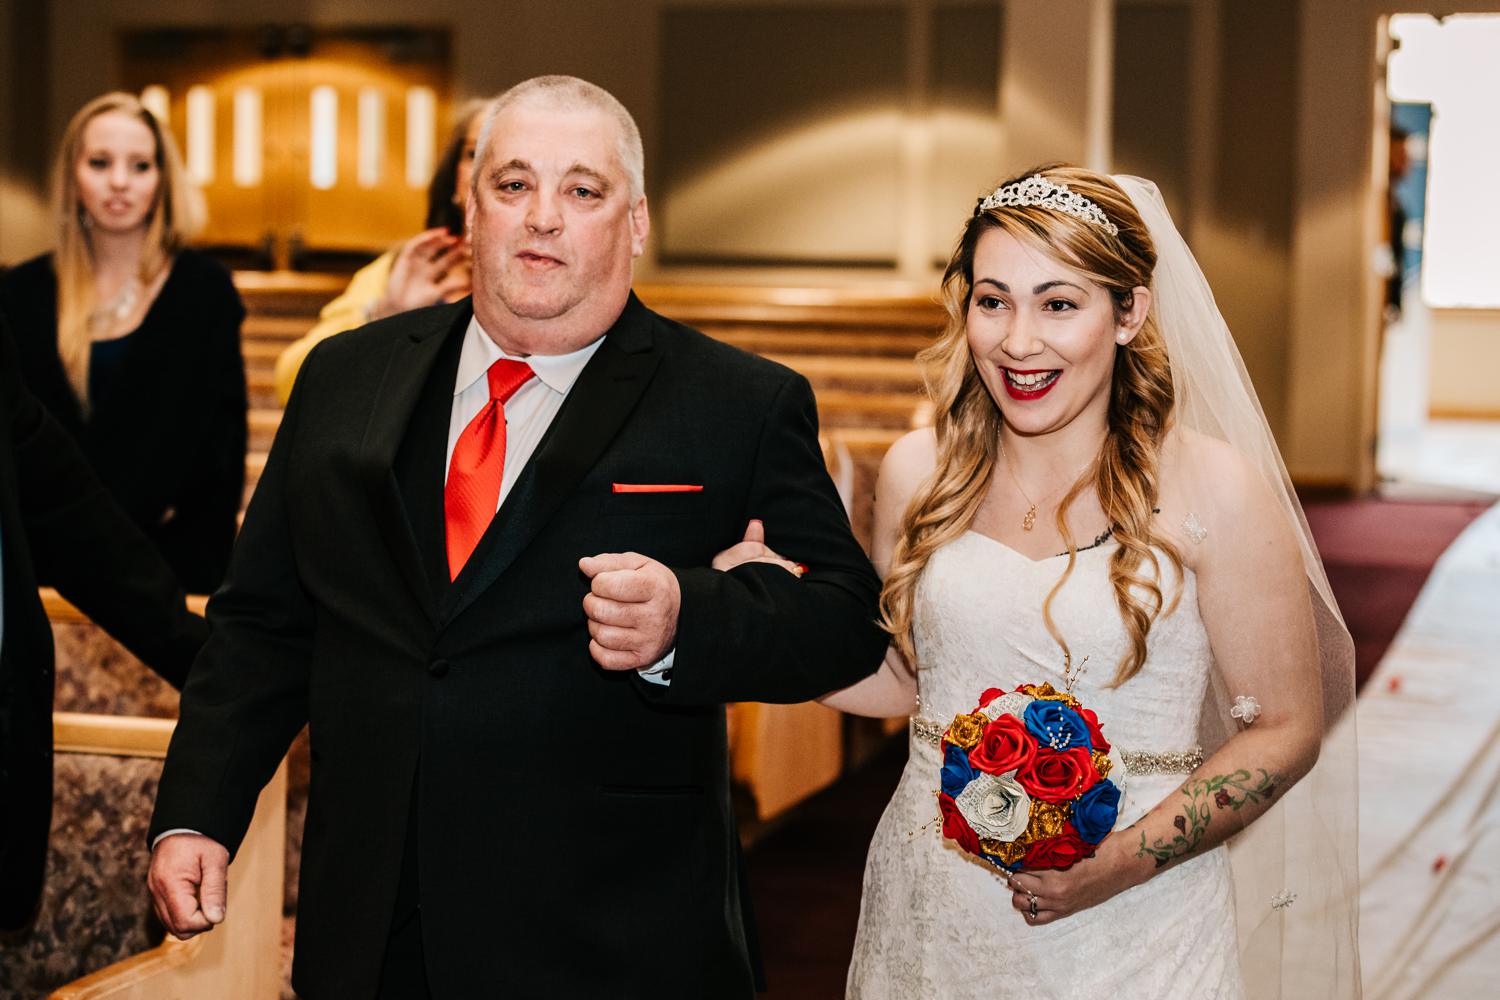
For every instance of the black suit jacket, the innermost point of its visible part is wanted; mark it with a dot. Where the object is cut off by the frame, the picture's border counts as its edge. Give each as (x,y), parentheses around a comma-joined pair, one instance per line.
(59,527)
(575,830)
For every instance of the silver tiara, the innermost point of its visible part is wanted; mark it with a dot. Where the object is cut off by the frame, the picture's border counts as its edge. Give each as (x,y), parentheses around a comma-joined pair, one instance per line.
(1038,190)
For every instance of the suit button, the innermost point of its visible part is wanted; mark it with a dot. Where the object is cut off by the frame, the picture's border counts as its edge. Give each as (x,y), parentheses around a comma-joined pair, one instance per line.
(438,668)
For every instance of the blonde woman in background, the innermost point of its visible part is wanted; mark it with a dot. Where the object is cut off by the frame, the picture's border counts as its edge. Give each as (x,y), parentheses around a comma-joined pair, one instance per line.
(132,340)
(1100,506)
(431,267)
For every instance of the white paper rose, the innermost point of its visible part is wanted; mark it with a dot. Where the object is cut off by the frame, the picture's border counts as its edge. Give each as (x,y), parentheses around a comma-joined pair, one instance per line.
(1008,704)
(996,806)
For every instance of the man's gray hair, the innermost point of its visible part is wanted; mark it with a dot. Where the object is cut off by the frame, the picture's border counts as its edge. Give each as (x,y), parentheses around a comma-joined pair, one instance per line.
(569,93)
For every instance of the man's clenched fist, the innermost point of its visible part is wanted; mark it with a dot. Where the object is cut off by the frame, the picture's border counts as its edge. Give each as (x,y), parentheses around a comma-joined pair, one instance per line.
(189,881)
(632,607)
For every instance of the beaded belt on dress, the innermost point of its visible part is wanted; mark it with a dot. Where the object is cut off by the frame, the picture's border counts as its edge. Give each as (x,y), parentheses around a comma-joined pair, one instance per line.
(1136,761)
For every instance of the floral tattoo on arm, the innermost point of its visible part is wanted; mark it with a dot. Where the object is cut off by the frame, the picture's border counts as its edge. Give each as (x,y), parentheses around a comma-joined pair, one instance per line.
(1223,791)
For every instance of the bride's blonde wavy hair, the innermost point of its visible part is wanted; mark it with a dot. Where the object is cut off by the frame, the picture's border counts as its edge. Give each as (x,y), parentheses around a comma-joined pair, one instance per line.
(967,421)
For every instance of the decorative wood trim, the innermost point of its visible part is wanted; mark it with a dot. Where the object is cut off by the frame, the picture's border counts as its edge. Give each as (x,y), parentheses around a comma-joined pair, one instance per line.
(60,611)
(117,735)
(1463,413)
(688,258)
(290,281)
(869,438)
(882,296)
(121,979)
(789,295)
(1323,487)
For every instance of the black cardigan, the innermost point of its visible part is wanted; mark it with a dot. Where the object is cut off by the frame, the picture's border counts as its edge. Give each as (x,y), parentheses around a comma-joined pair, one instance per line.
(166,431)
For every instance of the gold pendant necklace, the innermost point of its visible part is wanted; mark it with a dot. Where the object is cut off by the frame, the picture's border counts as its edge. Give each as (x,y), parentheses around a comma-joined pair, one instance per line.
(1028,520)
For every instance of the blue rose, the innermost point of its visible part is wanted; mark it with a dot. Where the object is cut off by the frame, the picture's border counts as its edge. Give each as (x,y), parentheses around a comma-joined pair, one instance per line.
(1056,726)
(957,771)
(1095,811)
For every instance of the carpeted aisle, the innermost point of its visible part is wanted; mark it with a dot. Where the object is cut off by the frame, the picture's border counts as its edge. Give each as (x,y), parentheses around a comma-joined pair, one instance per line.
(805,875)
(1429,737)
(1378,553)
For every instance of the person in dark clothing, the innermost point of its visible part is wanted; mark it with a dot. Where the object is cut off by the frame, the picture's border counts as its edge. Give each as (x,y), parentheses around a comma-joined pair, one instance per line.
(133,341)
(59,527)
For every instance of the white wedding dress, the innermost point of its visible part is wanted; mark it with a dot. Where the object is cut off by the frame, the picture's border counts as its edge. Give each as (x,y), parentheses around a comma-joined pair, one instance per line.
(937,924)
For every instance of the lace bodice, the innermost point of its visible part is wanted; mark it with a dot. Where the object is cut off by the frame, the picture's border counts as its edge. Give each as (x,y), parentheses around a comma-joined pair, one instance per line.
(936,923)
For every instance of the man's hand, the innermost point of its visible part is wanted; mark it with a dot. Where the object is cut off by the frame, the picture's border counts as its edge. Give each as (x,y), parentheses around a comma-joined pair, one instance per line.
(632,608)
(753,548)
(189,880)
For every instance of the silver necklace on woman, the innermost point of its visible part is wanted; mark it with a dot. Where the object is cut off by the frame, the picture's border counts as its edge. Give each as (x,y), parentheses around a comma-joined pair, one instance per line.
(107,315)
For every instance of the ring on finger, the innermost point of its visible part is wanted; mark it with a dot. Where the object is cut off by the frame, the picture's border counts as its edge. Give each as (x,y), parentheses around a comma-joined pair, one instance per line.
(1031,907)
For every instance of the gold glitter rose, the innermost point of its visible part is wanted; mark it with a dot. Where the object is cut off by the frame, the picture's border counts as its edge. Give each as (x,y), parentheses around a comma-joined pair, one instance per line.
(1047,819)
(966,730)
(1009,852)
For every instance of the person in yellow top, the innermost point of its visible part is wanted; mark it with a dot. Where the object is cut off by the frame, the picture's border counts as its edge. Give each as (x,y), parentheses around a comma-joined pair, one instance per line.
(431,267)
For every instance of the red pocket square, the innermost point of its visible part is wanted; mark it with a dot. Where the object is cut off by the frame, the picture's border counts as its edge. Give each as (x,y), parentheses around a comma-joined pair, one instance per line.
(655,488)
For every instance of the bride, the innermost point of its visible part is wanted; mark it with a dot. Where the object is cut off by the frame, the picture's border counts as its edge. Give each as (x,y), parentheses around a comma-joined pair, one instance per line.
(1100,506)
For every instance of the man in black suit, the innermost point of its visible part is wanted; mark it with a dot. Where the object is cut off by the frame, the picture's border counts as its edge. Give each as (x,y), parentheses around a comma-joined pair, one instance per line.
(519,774)
(59,526)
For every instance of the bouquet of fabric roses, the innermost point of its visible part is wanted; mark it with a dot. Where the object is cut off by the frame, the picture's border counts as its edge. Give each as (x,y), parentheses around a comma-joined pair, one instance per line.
(1026,779)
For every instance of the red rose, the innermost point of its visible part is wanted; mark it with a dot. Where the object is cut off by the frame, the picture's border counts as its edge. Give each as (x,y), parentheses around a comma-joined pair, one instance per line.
(1096,735)
(990,695)
(1057,776)
(1058,852)
(1005,746)
(955,827)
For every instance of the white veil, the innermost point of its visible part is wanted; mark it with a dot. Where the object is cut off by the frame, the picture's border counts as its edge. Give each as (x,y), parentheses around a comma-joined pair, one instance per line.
(1304,846)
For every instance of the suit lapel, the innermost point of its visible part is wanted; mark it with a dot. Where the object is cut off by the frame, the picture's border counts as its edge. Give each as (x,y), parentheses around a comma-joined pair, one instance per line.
(406,375)
(597,407)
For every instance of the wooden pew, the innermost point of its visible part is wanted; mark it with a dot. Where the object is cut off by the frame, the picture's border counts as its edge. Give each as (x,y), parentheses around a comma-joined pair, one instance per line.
(873,373)
(836,408)
(239,960)
(893,322)
(99,861)
(781,754)
(61,612)
(112,740)
(856,345)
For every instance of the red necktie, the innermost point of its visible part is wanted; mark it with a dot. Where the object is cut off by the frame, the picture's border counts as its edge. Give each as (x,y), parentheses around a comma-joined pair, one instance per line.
(478,465)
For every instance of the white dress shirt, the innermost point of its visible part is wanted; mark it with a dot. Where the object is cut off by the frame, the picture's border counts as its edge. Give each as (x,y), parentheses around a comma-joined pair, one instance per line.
(528,413)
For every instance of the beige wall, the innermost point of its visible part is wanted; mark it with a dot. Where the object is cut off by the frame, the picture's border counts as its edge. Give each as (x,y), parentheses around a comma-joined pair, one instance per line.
(1465,363)
(1334,293)
(1241,225)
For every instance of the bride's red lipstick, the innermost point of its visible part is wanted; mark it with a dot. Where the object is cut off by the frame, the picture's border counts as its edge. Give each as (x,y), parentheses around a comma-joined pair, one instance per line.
(1052,376)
